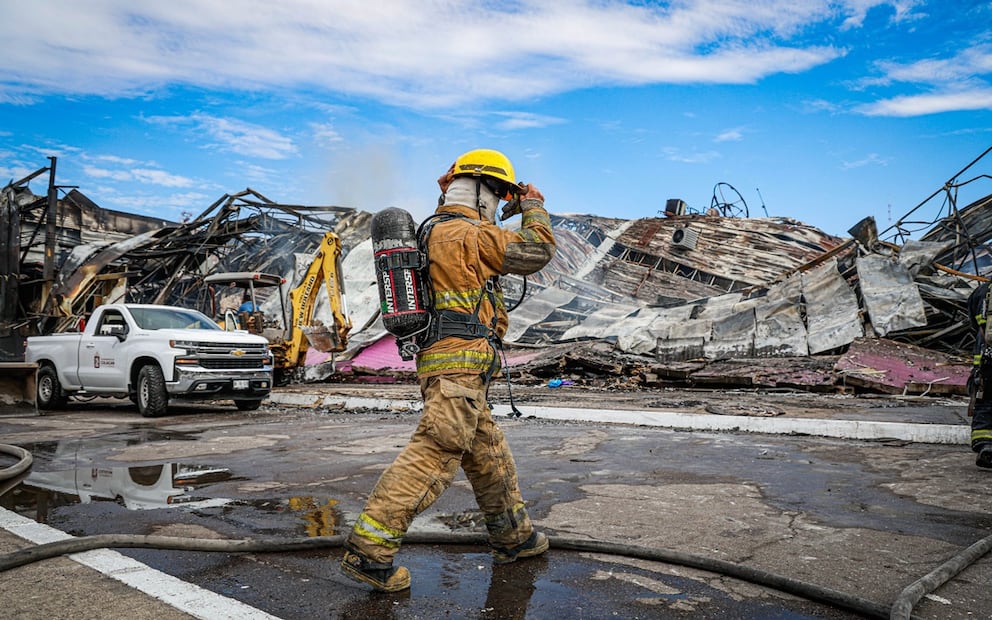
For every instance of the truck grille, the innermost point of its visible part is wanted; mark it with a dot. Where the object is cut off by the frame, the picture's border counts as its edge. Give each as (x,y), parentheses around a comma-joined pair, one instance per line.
(222,364)
(223,348)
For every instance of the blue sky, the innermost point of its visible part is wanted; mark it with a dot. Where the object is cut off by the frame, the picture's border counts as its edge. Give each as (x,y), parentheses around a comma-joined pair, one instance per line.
(822,111)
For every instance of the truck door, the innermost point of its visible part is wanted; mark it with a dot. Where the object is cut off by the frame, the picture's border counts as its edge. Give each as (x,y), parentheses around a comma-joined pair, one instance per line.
(101,360)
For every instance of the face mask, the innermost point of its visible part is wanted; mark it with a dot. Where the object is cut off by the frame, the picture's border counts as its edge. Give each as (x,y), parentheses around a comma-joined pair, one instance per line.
(462,192)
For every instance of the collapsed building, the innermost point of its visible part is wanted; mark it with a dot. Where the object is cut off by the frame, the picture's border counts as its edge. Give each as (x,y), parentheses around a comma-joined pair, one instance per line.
(711,298)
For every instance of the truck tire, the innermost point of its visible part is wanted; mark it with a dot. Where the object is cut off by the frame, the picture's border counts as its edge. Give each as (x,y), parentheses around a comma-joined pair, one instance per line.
(152,397)
(247,405)
(50,392)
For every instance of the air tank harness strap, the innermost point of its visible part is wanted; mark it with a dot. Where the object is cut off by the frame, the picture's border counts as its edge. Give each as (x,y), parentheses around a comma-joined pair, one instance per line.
(405,259)
(452,324)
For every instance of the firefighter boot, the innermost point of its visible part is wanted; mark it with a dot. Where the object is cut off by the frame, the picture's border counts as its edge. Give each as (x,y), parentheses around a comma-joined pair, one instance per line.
(985,457)
(535,545)
(382,577)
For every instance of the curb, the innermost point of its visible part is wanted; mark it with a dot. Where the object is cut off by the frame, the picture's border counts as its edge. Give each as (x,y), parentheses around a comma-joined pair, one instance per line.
(956,434)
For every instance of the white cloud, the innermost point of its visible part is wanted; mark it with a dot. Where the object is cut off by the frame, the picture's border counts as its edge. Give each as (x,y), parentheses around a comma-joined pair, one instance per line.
(160,177)
(960,82)
(52,150)
(730,135)
(115,159)
(169,206)
(18,98)
(525,120)
(150,176)
(903,10)
(872,159)
(325,134)
(819,105)
(919,105)
(408,53)
(970,63)
(233,135)
(256,174)
(695,157)
(103,173)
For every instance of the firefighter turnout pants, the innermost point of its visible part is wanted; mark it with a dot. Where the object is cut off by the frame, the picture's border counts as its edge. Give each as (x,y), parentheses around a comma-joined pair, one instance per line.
(456,430)
(981,423)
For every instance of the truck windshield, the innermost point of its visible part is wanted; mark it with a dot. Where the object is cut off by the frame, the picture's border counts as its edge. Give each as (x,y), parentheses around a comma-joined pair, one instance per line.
(171,318)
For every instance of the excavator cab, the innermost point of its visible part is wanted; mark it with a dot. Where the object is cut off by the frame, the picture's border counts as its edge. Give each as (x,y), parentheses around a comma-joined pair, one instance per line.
(237,297)
(298,330)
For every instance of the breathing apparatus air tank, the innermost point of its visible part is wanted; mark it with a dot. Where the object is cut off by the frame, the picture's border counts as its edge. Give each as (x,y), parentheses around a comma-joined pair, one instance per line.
(399,263)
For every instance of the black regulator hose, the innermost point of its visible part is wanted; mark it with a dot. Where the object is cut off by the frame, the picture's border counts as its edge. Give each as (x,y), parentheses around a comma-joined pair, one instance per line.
(753,575)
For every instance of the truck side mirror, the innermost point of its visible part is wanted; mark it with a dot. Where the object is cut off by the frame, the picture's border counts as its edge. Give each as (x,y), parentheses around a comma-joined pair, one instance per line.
(114,330)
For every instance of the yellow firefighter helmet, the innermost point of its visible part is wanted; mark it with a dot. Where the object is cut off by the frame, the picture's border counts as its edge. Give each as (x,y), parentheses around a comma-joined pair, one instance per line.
(491,166)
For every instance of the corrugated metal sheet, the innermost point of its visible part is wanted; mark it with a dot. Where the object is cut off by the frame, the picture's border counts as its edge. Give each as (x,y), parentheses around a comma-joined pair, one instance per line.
(779,330)
(832,312)
(891,298)
(729,253)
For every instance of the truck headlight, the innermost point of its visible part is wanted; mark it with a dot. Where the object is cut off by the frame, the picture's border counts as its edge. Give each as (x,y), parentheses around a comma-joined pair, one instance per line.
(186,345)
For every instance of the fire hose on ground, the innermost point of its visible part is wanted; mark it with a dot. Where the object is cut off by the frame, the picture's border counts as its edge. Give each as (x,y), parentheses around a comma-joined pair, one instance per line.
(901,609)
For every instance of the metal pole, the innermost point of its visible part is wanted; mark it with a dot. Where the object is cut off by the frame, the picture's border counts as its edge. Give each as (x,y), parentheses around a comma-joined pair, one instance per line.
(51,237)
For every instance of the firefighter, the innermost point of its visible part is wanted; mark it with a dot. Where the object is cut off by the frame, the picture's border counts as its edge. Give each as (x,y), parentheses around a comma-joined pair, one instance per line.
(980,382)
(466,251)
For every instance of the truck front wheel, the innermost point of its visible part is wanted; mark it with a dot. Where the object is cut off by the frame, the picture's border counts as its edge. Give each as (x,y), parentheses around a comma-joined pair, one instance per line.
(152,397)
(50,392)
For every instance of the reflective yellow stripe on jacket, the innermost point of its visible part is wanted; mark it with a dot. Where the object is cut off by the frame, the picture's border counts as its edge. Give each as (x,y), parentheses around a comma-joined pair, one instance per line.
(464,359)
(463,300)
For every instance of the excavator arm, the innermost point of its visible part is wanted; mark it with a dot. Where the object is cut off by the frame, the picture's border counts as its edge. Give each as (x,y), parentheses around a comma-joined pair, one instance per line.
(304,332)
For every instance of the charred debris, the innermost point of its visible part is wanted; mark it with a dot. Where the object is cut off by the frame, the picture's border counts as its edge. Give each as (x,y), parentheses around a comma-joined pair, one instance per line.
(709,299)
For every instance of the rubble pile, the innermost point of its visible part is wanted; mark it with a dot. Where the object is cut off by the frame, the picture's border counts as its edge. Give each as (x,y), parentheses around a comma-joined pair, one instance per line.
(701,299)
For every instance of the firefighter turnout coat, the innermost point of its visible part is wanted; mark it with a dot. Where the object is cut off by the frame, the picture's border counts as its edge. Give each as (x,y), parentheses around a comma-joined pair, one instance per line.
(464,254)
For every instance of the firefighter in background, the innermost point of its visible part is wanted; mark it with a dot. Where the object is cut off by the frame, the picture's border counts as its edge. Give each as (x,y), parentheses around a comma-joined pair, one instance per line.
(980,382)
(467,251)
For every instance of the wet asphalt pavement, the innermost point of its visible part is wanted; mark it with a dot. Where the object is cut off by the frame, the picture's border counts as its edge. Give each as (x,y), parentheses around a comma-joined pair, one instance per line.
(863,518)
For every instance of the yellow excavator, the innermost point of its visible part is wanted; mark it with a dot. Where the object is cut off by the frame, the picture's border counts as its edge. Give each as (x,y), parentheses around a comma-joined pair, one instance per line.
(237,306)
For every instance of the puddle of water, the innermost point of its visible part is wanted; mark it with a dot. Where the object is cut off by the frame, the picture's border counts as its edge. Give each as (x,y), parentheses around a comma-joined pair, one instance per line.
(136,488)
(163,485)
(462,582)
(86,448)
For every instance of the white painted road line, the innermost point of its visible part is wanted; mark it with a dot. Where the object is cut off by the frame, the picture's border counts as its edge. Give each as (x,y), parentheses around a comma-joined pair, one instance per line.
(187,597)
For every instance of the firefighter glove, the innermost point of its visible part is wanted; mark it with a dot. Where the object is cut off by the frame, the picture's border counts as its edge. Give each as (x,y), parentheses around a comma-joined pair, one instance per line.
(445,179)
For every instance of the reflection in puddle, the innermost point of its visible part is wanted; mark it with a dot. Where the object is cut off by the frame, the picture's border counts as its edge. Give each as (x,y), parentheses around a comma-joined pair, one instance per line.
(318,519)
(156,486)
(136,488)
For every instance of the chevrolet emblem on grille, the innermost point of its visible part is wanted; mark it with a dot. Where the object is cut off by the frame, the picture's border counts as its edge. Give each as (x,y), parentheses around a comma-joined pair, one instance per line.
(237,352)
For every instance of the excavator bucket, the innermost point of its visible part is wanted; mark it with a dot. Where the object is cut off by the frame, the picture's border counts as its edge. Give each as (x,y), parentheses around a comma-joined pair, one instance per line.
(321,338)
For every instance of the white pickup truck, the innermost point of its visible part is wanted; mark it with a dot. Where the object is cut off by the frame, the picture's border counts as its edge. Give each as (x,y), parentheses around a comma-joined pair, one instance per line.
(150,354)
